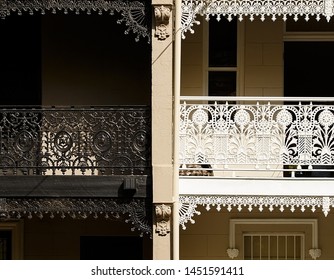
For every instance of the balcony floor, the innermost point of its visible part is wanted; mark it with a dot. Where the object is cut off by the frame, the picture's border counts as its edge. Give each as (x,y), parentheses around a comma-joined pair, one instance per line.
(196,185)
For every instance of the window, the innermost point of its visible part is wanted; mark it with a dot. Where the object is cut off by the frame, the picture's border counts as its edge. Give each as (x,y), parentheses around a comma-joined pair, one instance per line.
(11,240)
(5,245)
(222,57)
(111,248)
(273,239)
(273,246)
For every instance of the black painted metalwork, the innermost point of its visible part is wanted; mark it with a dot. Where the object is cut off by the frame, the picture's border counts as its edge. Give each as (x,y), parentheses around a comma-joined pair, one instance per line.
(136,212)
(132,13)
(75,141)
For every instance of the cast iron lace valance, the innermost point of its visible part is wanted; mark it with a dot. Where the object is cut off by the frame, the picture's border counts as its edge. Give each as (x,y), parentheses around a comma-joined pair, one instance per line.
(132,13)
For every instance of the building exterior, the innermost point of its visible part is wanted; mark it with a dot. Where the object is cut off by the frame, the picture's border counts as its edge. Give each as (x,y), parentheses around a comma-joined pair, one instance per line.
(76,172)
(256,113)
(183,138)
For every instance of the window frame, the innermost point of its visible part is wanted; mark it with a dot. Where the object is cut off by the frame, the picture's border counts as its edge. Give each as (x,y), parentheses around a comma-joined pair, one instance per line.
(239,69)
(16,228)
(237,227)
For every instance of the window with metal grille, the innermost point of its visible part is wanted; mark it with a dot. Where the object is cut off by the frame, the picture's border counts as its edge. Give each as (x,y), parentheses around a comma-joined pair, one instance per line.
(274,246)
(278,239)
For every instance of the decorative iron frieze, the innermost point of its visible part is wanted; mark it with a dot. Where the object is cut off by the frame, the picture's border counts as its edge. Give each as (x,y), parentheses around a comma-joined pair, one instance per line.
(189,204)
(245,8)
(133,13)
(110,141)
(162,15)
(163,214)
(134,212)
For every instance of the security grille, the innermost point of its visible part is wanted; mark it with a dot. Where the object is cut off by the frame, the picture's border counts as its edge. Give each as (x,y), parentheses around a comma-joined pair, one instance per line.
(274,246)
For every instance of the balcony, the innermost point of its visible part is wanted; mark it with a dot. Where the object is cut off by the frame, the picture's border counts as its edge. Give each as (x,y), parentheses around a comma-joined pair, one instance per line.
(254,145)
(75,151)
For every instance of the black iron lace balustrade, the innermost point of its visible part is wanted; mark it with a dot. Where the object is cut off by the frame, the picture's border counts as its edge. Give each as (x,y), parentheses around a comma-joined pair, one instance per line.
(73,141)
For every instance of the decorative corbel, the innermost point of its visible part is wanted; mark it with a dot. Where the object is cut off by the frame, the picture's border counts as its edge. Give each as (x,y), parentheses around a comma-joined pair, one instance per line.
(315,253)
(163,213)
(162,15)
(232,253)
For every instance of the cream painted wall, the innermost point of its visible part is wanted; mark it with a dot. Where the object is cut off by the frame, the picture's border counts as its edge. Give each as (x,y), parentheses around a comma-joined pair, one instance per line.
(83,63)
(210,232)
(263,58)
(192,62)
(262,66)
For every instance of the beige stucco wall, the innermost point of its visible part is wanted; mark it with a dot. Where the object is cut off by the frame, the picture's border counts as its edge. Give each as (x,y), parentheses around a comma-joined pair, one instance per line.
(192,62)
(261,59)
(210,232)
(83,63)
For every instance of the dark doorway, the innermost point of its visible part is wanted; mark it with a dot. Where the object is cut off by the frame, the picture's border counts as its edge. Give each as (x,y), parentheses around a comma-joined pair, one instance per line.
(5,245)
(307,73)
(307,70)
(20,49)
(111,248)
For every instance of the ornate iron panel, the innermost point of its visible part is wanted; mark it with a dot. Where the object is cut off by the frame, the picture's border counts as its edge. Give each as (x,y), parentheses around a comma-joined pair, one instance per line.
(70,141)
(258,135)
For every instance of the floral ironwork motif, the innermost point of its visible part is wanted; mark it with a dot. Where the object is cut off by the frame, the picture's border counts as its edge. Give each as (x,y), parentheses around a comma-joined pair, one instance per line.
(75,141)
(189,204)
(134,212)
(247,8)
(258,135)
(133,13)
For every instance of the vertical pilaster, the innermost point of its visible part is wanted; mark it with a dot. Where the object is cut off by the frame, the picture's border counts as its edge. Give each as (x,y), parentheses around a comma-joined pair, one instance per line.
(162,127)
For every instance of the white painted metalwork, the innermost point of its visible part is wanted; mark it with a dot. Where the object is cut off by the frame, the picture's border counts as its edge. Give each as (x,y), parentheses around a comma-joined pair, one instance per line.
(240,134)
(249,8)
(273,246)
(189,204)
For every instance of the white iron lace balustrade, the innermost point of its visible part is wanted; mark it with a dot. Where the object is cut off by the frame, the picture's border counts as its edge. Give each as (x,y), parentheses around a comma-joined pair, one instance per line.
(249,8)
(244,135)
(70,141)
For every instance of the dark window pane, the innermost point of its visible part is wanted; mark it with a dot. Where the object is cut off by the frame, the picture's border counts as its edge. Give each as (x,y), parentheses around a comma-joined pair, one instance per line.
(111,248)
(222,83)
(5,245)
(20,71)
(222,43)
(308,77)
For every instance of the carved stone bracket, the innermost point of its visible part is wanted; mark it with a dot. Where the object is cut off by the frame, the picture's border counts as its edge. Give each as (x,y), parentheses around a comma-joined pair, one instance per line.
(162,214)
(162,16)
(133,211)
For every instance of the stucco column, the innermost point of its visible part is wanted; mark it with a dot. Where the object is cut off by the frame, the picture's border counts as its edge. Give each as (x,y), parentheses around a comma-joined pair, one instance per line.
(162,128)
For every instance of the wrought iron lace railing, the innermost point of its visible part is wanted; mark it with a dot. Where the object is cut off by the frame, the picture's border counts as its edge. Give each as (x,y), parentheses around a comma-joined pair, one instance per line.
(75,141)
(252,134)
